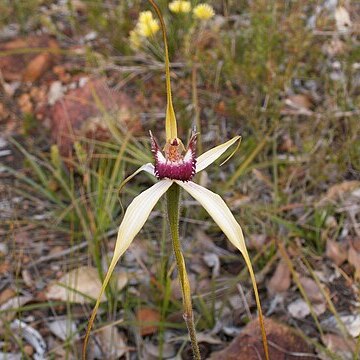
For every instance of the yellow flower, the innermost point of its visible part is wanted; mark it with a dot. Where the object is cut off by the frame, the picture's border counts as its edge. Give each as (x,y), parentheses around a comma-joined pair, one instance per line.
(145,16)
(135,39)
(203,11)
(180,6)
(147,25)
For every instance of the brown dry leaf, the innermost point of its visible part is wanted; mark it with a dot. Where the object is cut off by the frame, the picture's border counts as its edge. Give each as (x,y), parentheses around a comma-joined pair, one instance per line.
(343,348)
(356,244)
(248,345)
(336,252)
(257,241)
(25,104)
(27,277)
(259,175)
(6,294)
(37,67)
(335,47)
(152,351)
(80,285)
(354,260)
(311,289)
(207,338)
(8,309)
(337,190)
(281,279)
(297,104)
(64,329)
(14,65)
(148,321)
(176,288)
(111,343)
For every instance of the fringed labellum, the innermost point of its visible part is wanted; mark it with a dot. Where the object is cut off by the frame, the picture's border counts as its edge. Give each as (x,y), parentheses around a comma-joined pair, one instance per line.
(175,163)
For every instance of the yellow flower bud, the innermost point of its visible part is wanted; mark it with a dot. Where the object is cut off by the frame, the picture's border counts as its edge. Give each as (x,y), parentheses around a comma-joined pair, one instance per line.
(180,6)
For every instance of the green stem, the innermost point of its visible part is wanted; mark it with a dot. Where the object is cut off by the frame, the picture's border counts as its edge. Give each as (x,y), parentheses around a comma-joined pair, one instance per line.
(173,209)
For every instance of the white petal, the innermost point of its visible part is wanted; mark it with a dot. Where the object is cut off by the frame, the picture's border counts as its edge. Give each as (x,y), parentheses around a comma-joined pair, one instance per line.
(137,213)
(222,215)
(149,168)
(219,211)
(134,219)
(208,157)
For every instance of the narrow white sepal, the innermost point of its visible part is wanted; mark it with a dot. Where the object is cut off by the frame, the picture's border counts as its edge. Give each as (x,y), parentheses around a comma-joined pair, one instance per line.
(219,211)
(137,213)
(134,219)
(208,157)
(222,215)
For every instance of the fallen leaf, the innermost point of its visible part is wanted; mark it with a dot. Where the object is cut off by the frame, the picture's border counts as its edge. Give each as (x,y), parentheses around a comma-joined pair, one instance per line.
(111,343)
(297,104)
(148,321)
(64,329)
(8,310)
(281,279)
(298,309)
(152,352)
(342,18)
(80,285)
(176,288)
(248,345)
(334,47)
(351,322)
(345,348)
(28,280)
(6,295)
(37,67)
(207,338)
(338,190)
(257,241)
(311,289)
(15,66)
(336,252)
(354,260)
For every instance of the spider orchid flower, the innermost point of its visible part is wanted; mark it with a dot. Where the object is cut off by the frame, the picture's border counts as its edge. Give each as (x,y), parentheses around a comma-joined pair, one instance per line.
(174,168)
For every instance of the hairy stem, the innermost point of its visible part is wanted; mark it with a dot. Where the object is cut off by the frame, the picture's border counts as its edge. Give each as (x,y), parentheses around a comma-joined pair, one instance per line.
(173,207)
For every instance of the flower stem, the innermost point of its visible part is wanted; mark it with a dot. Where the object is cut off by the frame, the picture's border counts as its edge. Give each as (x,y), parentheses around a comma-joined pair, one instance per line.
(173,209)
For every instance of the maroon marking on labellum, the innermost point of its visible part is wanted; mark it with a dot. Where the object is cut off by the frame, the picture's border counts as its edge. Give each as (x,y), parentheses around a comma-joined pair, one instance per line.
(173,165)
